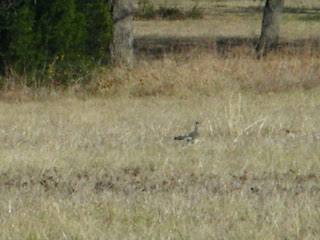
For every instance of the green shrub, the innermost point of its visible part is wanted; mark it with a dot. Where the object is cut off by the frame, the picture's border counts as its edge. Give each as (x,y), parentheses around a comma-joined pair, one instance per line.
(194,13)
(147,10)
(171,13)
(54,41)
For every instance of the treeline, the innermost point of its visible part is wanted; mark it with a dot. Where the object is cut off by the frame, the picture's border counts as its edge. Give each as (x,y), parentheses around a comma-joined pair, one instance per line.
(53,41)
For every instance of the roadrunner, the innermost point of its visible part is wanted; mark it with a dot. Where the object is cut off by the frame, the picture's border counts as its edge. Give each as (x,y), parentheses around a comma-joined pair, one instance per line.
(191,136)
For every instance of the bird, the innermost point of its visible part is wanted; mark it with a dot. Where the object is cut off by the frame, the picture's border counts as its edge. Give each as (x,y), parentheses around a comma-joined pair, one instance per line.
(191,136)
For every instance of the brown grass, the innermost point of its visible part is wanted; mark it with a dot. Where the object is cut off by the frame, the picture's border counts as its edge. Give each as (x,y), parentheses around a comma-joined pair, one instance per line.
(109,167)
(100,162)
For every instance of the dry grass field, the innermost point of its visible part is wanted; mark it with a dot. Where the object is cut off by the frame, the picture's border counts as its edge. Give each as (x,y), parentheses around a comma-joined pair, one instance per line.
(101,163)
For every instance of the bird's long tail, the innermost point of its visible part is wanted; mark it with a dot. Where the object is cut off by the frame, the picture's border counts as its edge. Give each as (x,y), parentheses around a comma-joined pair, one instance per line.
(180,137)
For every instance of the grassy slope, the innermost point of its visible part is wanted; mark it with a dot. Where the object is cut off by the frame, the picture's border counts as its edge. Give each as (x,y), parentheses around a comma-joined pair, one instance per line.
(107,168)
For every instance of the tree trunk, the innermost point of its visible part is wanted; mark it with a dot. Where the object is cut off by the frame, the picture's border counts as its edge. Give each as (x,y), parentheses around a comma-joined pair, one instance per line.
(121,48)
(270,26)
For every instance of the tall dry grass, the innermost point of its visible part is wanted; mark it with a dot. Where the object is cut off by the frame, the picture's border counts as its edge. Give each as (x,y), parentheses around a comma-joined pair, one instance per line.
(75,166)
(201,73)
(109,168)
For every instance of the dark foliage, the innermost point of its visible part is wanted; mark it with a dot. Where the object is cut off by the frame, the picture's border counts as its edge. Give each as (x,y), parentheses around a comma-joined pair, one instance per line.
(53,40)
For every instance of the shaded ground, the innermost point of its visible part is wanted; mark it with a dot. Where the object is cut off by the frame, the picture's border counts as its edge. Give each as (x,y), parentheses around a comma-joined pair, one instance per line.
(223,9)
(157,46)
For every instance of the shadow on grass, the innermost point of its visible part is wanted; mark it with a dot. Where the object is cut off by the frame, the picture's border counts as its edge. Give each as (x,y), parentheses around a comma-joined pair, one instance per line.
(156,47)
(175,13)
(224,9)
(310,17)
